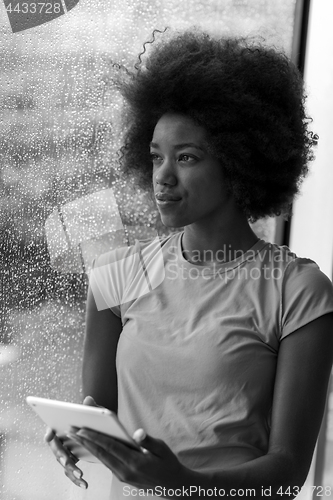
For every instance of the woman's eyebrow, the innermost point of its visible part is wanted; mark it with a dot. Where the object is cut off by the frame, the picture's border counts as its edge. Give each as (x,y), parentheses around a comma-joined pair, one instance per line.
(180,146)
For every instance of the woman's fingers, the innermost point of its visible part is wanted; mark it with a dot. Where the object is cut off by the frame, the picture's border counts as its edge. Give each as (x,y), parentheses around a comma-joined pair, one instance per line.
(75,475)
(101,444)
(89,401)
(63,454)
(129,464)
(65,458)
(49,435)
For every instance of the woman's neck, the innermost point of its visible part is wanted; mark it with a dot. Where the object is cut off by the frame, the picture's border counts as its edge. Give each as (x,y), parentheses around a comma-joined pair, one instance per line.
(229,241)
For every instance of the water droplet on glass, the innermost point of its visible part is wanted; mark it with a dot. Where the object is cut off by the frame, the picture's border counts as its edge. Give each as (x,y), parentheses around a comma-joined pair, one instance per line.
(62,201)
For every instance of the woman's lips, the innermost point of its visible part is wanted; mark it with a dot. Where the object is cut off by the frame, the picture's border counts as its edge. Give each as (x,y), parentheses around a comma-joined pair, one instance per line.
(166,200)
(166,197)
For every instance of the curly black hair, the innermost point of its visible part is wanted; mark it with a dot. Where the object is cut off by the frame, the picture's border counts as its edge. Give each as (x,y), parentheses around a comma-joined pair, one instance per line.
(248,97)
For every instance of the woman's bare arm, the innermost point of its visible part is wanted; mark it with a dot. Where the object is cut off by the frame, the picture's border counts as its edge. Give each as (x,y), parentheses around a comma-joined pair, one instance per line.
(99,376)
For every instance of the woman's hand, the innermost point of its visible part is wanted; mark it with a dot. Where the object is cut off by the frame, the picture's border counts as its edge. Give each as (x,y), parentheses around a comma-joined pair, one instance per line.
(155,465)
(64,456)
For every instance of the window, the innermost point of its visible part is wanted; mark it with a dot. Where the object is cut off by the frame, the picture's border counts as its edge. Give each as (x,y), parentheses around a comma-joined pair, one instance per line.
(59,132)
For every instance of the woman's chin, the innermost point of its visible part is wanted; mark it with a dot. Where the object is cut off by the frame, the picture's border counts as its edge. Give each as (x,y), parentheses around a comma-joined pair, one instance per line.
(171,220)
(168,223)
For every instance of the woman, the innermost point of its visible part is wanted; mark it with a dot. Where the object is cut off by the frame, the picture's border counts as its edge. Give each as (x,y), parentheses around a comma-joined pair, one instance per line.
(224,360)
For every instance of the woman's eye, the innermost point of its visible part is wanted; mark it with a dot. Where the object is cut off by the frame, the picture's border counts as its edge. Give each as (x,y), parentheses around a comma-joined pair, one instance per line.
(155,158)
(187,158)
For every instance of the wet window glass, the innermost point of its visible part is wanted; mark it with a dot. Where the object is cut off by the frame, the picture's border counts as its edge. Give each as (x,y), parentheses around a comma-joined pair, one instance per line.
(61,201)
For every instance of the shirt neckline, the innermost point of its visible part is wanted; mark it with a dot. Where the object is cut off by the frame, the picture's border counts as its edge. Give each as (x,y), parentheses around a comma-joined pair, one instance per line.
(218,268)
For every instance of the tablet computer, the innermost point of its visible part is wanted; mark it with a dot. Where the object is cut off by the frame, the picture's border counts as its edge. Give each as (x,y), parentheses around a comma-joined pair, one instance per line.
(61,416)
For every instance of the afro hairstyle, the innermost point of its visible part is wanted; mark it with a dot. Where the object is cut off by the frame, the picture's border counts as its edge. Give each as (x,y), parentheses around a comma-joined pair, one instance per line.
(248,97)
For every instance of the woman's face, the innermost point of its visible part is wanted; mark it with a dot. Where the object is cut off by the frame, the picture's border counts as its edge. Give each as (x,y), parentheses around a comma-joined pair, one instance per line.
(188,182)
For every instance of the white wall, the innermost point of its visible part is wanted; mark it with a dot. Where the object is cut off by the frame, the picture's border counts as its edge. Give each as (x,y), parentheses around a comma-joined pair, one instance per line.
(312,224)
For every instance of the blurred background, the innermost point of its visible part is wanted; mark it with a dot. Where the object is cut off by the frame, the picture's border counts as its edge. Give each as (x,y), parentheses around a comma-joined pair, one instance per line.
(60,131)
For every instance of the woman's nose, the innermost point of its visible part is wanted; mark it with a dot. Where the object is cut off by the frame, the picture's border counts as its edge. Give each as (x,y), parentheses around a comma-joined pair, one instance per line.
(165,173)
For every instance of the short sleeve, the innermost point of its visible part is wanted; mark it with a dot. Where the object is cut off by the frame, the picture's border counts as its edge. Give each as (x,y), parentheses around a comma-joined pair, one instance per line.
(110,276)
(105,283)
(307,294)
(119,277)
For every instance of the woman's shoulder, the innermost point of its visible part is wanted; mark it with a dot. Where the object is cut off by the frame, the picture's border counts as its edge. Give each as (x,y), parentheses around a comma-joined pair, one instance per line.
(306,293)
(282,255)
(293,275)
(126,273)
(303,278)
(273,252)
(147,247)
(296,271)
(294,285)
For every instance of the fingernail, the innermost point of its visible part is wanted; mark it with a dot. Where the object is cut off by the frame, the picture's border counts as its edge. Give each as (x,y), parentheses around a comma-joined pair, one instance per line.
(139,435)
(77,474)
(88,400)
(82,434)
(73,436)
(63,461)
(82,485)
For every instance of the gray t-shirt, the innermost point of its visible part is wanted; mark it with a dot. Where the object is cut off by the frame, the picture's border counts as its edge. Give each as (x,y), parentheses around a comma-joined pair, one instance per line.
(196,359)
